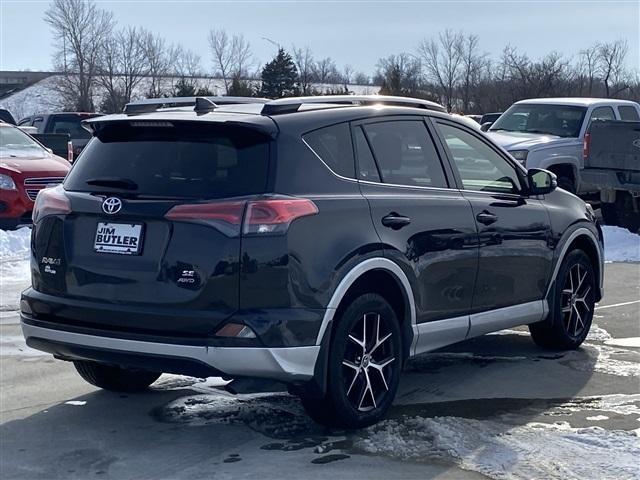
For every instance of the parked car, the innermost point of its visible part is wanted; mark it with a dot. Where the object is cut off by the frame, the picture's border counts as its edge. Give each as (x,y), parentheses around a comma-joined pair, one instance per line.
(487,119)
(552,133)
(69,123)
(5,116)
(26,167)
(316,241)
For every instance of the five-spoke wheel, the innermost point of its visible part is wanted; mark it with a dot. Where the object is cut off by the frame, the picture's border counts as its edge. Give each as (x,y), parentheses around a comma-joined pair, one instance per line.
(364,364)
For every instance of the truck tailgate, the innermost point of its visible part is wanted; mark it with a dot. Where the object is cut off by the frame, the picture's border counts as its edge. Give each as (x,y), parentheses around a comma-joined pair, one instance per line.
(614,144)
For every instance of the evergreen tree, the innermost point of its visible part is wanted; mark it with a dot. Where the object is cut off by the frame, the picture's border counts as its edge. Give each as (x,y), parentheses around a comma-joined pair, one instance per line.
(240,88)
(279,77)
(184,89)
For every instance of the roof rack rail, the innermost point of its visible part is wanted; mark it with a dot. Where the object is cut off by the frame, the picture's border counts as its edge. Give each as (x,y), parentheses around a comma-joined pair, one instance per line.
(290,105)
(152,104)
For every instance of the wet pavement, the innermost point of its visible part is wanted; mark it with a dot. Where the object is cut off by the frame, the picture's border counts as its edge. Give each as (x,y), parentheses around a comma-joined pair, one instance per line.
(492,407)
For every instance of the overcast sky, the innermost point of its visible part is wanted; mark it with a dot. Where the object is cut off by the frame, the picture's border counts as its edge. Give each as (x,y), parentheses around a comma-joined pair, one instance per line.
(355,32)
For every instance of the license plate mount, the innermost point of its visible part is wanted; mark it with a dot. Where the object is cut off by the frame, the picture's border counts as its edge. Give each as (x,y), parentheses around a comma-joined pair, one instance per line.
(118,238)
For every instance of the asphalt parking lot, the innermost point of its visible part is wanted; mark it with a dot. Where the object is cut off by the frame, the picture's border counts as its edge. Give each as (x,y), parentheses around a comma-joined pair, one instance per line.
(492,407)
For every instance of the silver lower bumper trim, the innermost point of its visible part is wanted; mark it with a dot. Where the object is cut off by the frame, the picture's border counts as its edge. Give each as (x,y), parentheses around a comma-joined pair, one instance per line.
(285,364)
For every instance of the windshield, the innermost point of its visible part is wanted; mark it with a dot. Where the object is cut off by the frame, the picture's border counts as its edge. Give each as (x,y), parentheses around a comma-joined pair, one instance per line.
(16,143)
(557,120)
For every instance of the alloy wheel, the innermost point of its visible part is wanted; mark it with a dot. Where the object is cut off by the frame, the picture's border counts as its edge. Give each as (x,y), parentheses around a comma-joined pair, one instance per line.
(368,362)
(576,300)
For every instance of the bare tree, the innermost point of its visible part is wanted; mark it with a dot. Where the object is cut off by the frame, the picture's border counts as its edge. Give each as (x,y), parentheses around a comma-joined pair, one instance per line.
(347,75)
(611,58)
(303,58)
(587,67)
(79,27)
(361,78)
(122,67)
(472,63)
(157,57)
(442,60)
(399,75)
(325,71)
(232,56)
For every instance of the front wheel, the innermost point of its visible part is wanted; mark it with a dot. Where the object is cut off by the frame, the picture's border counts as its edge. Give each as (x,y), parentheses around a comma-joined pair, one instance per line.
(364,365)
(114,378)
(571,314)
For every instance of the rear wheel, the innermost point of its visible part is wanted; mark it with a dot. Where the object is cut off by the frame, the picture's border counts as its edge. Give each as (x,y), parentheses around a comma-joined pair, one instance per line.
(115,378)
(365,361)
(572,310)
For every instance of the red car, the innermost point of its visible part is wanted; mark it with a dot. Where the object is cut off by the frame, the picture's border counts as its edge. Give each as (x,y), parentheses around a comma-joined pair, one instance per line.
(26,167)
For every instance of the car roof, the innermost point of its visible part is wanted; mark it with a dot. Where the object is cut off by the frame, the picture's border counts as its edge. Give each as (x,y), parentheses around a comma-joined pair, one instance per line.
(577,101)
(307,117)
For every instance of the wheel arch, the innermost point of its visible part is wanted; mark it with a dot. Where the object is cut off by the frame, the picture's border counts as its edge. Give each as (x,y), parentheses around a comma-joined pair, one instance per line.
(584,239)
(374,275)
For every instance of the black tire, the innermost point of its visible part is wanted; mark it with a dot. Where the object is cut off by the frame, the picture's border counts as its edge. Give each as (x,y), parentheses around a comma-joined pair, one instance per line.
(609,213)
(571,314)
(113,378)
(567,183)
(360,391)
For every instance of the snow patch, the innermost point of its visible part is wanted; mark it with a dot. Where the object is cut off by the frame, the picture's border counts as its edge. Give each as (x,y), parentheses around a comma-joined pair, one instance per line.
(15,346)
(77,403)
(505,451)
(597,334)
(598,418)
(620,245)
(603,359)
(624,342)
(14,244)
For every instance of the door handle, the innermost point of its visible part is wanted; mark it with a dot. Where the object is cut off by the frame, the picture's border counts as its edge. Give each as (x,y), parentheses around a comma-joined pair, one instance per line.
(486,218)
(395,221)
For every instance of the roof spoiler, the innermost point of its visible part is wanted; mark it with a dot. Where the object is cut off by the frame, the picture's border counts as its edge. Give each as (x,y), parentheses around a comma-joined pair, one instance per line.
(290,105)
(201,104)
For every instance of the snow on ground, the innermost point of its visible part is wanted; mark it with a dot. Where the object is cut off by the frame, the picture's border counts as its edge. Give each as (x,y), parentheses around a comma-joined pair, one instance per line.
(620,245)
(503,450)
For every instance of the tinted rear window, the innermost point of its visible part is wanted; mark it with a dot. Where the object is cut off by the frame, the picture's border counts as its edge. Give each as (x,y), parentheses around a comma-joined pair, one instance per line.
(628,112)
(186,160)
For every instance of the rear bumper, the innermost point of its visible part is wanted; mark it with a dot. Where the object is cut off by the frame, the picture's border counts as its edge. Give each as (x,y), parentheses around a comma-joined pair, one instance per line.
(287,364)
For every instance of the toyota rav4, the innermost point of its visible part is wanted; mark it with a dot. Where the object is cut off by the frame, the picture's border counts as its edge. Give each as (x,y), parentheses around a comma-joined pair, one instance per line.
(317,242)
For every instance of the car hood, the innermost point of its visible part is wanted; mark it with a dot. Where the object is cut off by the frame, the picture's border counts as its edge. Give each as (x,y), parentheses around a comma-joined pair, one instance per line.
(48,164)
(526,141)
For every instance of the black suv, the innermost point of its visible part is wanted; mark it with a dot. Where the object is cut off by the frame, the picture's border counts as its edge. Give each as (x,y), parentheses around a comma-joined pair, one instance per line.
(318,242)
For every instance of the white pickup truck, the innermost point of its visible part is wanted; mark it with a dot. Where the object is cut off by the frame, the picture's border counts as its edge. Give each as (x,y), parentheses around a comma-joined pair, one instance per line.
(554,134)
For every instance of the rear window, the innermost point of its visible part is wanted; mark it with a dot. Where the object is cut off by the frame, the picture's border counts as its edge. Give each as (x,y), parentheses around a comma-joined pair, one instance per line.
(628,112)
(183,160)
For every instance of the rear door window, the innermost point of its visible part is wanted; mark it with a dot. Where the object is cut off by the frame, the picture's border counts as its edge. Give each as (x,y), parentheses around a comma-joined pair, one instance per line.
(333,145)
(629,113)
(181,160)
(405,153)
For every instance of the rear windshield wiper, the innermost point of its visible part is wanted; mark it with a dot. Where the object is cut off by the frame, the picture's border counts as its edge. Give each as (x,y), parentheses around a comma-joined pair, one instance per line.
(113,182)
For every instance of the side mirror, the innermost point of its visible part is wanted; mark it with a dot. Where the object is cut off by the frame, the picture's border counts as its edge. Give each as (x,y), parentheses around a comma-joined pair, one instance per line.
(485,126)
(541,181)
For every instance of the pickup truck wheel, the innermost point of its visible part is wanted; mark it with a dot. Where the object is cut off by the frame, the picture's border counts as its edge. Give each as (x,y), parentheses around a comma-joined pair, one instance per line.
(364,365)
(567,183)
(113,378)
(571,314)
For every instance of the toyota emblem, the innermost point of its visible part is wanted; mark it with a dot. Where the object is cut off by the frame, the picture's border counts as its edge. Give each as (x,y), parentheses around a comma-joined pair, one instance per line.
(111,205)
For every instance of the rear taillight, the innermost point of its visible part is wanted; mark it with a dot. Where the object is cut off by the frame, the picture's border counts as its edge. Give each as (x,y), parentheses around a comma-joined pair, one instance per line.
(586,146)
(255,217)
(275,215)
(70,152)
(51,201)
